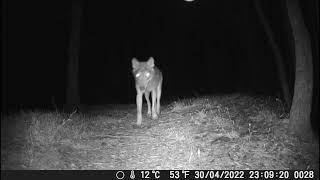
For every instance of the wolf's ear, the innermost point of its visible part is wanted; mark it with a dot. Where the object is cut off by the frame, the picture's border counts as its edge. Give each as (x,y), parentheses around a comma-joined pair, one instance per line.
(135,63)
(150,62)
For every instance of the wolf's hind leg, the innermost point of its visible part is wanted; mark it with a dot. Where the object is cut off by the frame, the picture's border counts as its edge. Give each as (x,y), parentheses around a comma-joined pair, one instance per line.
(158,98)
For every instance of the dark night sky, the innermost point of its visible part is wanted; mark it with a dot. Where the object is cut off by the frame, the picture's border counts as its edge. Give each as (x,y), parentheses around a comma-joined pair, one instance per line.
(204,47)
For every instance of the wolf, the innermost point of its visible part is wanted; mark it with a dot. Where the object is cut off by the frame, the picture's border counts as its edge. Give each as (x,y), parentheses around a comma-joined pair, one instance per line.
(148,78)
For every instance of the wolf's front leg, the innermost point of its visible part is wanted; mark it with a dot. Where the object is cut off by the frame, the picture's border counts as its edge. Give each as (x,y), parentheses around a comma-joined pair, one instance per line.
(139,107)
(146,95)
(154,96)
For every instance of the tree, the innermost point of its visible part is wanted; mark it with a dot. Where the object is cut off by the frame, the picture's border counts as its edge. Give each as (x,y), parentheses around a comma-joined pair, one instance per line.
(302,98)
(72,87)
(277,54)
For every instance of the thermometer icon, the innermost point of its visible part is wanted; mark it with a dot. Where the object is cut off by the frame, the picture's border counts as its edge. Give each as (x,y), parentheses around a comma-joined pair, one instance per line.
(132,176)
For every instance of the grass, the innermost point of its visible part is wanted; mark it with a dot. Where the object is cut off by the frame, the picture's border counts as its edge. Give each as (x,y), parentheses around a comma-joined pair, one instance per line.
(219,132)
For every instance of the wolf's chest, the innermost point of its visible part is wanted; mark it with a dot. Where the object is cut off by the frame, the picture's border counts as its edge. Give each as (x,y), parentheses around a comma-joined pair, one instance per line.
(147,85)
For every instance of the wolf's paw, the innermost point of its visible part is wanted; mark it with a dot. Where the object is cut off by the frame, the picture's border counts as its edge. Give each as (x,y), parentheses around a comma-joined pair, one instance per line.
(154,116)
(139,120)
(149,114)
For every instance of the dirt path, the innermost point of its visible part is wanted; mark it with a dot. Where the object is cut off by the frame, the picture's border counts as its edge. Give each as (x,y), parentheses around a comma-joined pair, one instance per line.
(157,144)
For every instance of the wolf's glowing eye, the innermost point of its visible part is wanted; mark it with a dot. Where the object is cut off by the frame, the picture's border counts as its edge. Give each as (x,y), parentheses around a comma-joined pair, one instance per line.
(138,74)
(147,74)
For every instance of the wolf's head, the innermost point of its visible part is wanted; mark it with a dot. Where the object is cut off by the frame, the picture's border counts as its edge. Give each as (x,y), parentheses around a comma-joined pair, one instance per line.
(142,72)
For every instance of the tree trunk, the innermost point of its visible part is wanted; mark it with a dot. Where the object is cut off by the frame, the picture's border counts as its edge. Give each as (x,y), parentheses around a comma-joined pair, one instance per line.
(277,54)
(72,87)
(302,98)
(4,59)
